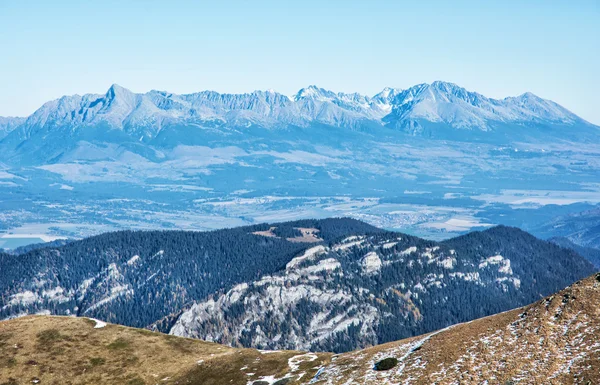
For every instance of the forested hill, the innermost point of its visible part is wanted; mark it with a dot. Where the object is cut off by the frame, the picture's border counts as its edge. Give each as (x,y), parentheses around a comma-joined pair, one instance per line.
(137,277)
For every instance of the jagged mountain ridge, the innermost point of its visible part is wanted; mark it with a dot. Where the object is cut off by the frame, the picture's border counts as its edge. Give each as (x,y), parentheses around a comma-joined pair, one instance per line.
(437,102)
(367,290)
(151,124)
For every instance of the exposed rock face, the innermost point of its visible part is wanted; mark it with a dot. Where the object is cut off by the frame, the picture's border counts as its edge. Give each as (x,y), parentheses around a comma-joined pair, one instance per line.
(371,289)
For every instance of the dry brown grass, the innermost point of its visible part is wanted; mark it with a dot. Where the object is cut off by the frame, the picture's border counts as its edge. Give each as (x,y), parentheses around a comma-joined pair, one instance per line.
(66,350)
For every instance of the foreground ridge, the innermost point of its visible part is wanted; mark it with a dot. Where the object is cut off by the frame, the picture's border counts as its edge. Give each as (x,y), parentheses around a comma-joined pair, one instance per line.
(553,341)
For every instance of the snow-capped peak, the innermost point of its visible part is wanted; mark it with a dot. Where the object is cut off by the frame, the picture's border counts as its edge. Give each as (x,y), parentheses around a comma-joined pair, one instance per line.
(116,90)
(448,103)
(314,92)
(387,92)
(440,84)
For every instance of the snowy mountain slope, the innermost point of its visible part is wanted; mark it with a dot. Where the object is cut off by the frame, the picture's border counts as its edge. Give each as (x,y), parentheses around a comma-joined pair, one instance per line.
(442,102)
(372,289)
(8,124)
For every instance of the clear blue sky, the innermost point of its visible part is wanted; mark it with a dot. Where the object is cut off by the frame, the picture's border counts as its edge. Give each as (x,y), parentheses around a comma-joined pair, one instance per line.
(498,48)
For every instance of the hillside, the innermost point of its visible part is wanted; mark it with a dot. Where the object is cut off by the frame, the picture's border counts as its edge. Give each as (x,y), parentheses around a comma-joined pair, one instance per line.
(552,341)
(68,350)
(135,278)
(346,284)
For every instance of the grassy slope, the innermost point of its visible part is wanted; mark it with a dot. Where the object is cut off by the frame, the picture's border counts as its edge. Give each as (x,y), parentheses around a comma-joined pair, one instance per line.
(63,350)
(552,341)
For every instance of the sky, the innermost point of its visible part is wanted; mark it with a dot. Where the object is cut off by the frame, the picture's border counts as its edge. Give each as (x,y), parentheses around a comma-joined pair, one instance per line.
(497,48)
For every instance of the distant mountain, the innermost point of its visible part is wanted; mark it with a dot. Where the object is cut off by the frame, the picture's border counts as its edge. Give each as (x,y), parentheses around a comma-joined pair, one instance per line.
(34,246)
(589,253)
(581,228)
(9,124)
(367,290)
(159,118)
(552,341)
(147,114)
(442,102)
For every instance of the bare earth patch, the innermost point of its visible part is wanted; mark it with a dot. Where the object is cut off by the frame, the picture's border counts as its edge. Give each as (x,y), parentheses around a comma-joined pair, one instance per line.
(309,235)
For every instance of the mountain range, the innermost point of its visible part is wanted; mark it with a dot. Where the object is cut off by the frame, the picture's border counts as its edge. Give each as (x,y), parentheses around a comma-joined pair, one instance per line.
(439,109)
(320,285)
(437,102)
(552,341)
